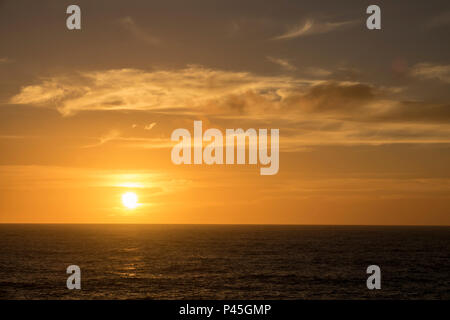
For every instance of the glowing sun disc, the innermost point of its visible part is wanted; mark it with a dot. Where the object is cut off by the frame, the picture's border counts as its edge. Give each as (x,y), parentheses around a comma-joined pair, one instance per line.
(130,200)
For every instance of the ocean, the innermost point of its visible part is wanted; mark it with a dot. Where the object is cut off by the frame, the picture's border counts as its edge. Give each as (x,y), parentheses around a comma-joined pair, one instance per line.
(223,261)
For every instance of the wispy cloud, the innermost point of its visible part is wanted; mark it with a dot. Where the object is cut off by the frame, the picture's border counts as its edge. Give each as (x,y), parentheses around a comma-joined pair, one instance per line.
(111,135)
(129,24)
(284,63)
(194,88)
(311,27)
(431,71)
(307,111)
(150,126)
(37,177)
(318,72)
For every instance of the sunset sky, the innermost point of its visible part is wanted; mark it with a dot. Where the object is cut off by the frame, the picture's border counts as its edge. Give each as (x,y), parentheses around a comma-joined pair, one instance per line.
(87,115)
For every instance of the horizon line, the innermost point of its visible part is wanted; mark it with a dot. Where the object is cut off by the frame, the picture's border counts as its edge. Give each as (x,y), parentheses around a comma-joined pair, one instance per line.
(225,224)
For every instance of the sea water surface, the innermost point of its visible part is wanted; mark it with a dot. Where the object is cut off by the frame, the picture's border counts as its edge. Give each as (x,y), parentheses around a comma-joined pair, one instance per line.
(223,261)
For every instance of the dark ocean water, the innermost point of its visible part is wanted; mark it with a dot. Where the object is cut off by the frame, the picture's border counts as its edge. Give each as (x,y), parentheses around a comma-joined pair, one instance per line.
(223,262)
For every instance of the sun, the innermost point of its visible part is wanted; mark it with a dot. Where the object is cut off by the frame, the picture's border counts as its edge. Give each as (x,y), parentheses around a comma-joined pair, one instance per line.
(130,200)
